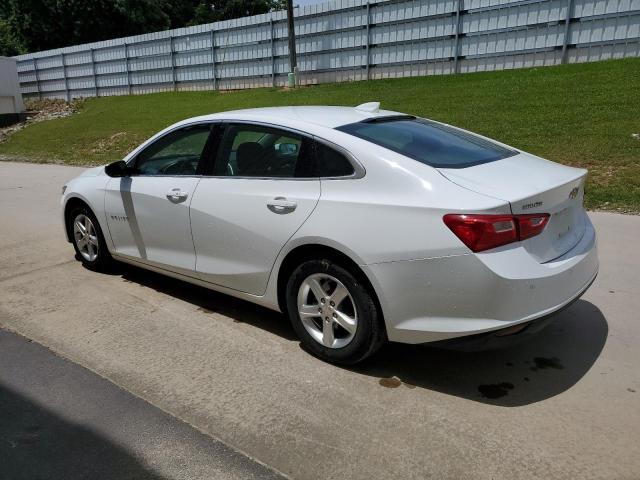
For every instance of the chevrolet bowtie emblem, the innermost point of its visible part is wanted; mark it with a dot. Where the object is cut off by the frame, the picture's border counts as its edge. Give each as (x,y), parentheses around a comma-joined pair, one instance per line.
(574,193)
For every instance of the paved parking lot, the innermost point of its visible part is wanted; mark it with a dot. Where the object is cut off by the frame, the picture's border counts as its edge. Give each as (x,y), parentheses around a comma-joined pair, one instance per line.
(565,404)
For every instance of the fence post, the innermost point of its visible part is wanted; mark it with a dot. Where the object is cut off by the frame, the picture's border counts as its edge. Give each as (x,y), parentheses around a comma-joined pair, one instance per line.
(367,51)
(126,56)
(93,71)
(35,71)
(173,63)
(213,59)
(456,48)
(567,25)
(64,75)
(273,56)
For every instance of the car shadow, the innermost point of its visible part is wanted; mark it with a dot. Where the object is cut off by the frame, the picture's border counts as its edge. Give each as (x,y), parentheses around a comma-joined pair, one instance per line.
(209,301)
(535,369)
(540,367)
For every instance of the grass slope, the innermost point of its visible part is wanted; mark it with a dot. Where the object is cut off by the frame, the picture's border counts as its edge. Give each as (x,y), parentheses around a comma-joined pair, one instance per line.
(583,115)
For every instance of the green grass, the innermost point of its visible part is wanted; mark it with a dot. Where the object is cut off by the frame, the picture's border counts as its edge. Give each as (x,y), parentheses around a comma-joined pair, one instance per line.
(582,115)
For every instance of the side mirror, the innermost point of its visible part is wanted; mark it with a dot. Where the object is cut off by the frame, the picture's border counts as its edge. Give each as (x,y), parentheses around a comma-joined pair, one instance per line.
(117,169)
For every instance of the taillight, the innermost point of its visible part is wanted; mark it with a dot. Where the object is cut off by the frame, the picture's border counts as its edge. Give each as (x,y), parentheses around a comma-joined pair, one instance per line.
(531,225)
(483,232)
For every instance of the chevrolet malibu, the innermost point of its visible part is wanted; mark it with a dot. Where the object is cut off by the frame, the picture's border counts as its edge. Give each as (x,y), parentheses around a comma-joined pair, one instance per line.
(361,225)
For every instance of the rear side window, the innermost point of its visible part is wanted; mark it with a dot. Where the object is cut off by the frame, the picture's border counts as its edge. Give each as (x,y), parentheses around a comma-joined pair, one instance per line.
(264,152)
(428,142)
(331,163)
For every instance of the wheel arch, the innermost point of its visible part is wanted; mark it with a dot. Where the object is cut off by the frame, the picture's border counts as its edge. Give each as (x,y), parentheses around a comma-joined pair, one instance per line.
(70,204)
(310,251)
(74,201)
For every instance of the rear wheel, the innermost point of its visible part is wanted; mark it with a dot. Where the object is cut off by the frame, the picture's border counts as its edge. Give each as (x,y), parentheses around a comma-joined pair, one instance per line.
(88,240)
(333,313)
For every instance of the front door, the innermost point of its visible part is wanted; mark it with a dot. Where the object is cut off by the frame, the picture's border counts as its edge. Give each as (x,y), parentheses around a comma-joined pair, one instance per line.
(262,191)
(148,211)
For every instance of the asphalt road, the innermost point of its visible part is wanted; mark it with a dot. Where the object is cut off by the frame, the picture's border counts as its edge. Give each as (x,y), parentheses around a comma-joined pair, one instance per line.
(565,404)
(59,420)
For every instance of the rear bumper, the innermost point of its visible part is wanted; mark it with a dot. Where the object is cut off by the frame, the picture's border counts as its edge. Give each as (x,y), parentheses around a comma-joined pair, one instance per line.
(449,297)
(504,337)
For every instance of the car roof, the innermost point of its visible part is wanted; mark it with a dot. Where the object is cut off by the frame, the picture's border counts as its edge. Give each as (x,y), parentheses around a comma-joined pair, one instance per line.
(324,116)
(309,119)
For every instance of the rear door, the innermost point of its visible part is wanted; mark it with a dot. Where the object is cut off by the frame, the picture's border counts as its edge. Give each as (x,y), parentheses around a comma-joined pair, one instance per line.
(261,190)
(148,211)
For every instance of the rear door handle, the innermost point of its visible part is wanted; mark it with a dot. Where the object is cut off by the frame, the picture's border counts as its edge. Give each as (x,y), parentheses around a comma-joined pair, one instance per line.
(177,195)
(281,205)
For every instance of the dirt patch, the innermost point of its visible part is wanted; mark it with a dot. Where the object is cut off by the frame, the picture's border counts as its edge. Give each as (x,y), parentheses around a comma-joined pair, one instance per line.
(41,111)
(106,144)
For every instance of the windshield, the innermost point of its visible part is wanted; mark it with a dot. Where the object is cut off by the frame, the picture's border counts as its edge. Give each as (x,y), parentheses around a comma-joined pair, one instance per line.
(428,142)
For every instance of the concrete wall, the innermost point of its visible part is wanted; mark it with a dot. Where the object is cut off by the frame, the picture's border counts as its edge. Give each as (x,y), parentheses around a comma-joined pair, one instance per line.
(10,96)
(342,40)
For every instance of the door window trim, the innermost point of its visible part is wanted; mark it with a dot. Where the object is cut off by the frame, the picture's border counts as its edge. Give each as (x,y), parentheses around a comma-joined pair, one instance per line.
(358,168)
(207,149)
(219,153)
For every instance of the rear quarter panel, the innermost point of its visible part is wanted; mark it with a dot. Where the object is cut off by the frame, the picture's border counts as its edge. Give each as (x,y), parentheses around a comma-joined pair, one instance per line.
(395,211)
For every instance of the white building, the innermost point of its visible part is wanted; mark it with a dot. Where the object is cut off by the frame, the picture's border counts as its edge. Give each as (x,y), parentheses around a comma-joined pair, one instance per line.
(11,106)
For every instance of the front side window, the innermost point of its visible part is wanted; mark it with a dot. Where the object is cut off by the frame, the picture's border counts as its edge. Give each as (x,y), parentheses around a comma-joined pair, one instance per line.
(257,151)
(428,142)
(177,153)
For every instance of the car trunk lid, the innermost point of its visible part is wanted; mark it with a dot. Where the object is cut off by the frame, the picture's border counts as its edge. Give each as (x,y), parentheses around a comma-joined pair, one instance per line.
(533,185)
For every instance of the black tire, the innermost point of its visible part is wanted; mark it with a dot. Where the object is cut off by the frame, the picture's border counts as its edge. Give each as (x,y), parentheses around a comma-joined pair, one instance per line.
(370,332)
(103,261)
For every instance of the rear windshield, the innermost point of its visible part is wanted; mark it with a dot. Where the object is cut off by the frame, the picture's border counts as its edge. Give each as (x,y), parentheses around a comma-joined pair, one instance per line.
(428,142)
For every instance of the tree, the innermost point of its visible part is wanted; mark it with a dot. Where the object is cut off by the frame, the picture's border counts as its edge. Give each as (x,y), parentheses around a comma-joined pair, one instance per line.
(10,44)
(208,11)
(45,24)
(180,12)
(32,25)
(204,13)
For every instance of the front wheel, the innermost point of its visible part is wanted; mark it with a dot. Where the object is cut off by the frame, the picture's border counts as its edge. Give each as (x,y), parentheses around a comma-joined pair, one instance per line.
(333,313)
(88,240)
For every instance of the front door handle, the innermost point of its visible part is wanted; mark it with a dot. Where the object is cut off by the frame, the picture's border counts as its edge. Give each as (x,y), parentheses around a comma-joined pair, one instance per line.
(281,205)
(176,195)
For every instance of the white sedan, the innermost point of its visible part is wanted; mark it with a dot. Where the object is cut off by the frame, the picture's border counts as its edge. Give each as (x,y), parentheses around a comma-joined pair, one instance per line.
(361,225)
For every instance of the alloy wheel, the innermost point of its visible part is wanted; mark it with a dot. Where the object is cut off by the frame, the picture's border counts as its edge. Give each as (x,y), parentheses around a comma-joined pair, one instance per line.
(86,237)
(327,310)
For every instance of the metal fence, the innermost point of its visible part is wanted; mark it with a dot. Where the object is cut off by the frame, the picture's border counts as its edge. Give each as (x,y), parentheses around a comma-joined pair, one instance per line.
(341,41)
